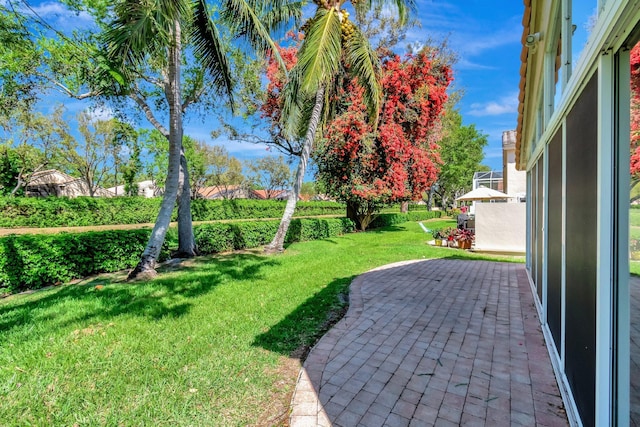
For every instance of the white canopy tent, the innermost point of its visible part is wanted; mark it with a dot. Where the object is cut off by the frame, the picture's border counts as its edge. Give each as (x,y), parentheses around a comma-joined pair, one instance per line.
(483,193)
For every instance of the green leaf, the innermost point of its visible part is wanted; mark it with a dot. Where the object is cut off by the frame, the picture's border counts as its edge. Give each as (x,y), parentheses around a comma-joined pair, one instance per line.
(117,77)
(404,7)
(365,66)
(208,47)
(319,57)
(247,20)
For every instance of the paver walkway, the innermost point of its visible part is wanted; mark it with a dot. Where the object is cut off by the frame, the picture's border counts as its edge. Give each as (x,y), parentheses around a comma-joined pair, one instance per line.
(435,342)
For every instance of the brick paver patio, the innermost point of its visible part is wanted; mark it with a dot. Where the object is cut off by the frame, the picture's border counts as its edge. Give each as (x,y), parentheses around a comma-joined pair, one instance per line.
(435,342)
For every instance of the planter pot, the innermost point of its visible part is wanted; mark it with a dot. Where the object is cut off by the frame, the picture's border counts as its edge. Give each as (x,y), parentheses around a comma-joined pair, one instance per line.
(464,244)
(438,242)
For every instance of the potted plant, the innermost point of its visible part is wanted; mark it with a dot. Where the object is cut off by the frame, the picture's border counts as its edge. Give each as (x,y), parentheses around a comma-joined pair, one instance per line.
(437,236)
(634,249)
(465,238)
(449,233)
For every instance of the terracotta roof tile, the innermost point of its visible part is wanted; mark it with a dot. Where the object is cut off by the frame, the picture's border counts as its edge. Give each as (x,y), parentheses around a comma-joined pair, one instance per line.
(526,22)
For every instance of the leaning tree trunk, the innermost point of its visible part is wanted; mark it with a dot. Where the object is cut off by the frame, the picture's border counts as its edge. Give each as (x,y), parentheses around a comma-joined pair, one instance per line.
(186,239)
(147,264)
(277,244)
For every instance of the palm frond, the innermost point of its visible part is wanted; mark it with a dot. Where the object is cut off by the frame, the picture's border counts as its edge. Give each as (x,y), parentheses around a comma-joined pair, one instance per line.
(282,15)
(319,56)
(172,9)
(142,27)
(293,100)
(209,49)
(333,92)
(245,18)
(403,7)
(307,111)
(364,65)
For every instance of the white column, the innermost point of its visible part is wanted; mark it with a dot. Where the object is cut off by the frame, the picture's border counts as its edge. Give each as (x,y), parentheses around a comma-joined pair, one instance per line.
(605,241)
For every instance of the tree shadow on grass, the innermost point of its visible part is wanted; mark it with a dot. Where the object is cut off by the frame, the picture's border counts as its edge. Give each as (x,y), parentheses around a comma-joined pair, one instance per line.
(387,229)
(102,298)
(294,335)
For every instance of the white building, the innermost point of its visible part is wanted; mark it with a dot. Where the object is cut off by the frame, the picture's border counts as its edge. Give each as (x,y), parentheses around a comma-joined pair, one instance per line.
(514,181)
(573,141)
(146,188)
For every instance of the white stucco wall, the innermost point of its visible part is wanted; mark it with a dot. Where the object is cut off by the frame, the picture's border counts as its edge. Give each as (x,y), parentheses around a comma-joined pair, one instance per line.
(501,227)
(516,181)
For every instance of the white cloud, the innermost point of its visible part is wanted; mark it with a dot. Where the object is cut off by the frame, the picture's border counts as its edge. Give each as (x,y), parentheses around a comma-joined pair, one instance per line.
(468,35)
(477,43)
(505,105)
(59,17)
(464,64)
(100,113)
(492,152)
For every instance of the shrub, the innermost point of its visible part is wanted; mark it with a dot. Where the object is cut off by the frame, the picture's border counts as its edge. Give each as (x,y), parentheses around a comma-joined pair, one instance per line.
(212,238)
(35,261)
(84,211)
(389,219)
(423,215)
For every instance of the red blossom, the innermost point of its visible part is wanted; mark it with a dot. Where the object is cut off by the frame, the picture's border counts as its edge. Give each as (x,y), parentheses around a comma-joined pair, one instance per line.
(399,161)
(634,166)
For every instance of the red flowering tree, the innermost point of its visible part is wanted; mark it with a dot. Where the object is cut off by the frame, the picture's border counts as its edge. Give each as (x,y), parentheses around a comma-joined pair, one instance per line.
(635,114)
(368,168)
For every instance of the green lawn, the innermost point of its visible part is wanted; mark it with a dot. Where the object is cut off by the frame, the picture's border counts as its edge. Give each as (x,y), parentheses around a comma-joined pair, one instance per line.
(205,344)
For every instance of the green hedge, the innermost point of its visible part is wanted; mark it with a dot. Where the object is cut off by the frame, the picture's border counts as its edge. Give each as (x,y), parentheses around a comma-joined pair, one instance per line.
(388,219)
(83,211)
(35,261)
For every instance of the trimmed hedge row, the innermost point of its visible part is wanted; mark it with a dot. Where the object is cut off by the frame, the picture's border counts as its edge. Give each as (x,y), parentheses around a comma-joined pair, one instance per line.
(388,219)
(83,211)
(35,261)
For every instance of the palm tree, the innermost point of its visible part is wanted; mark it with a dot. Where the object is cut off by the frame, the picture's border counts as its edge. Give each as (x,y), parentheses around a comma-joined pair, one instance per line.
(155,32)
(332,45)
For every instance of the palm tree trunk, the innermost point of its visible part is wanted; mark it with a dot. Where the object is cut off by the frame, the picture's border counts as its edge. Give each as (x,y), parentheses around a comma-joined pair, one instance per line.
(147,264)
(186,239)
(277,244)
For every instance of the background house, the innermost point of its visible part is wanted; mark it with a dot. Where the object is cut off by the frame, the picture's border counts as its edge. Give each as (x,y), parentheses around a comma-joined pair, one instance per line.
(52,182)
(146,188)
(217,192)
(269,194)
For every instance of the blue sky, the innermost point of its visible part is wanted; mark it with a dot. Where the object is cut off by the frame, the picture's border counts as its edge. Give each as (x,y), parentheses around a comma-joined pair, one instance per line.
(485,34)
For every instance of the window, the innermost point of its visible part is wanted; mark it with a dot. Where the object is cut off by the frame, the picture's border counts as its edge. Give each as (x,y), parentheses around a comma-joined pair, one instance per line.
(584,14)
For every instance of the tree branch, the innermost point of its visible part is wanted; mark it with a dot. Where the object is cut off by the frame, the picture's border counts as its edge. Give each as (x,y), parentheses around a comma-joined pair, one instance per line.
(281,144)
(192,98)
(142,103)
(69,93)
(156,82)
